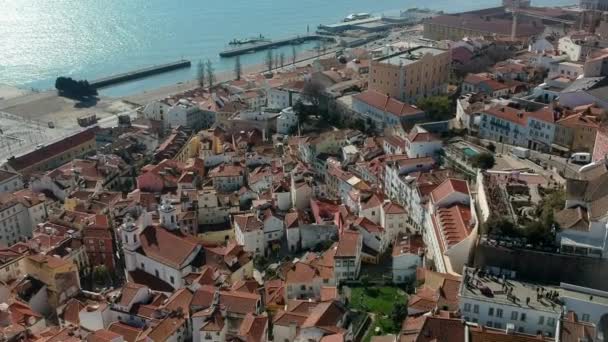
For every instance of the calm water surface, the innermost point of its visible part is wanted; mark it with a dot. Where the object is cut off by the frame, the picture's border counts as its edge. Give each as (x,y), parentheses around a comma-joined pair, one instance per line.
(43,39)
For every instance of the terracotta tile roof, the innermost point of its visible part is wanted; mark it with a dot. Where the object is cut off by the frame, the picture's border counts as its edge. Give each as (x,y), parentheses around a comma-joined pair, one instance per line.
(275,292)
(385,338)
(248,222)
(51,261)
(102,335)
(71,311)
(51,150)
(166,247)
(514,115)
(495,85)
(411,328)
(301,273)
(545,114)
(574,330)
(179,300)
(409,162)
(409,244)
(239,302)
(387,103)
(203,297)
(284,318)
(253,328)
(348,244)
(573,218)
(129,333)
(329,293)
(441,329)
(395,140)
(440,290)
(579,120)
(452,224)
(166,328)
(128,293)
(213,320)
(227,171)
(326,314)
(421,136)
(339,337)
(368,225)
(249,286)
(375,200)
(21,313)
(475,79)
(449,186)
(56,334)
(206,276)
(485,334)
(392,208)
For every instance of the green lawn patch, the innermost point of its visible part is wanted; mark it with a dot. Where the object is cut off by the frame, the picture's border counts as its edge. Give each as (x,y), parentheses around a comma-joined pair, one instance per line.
(379,301)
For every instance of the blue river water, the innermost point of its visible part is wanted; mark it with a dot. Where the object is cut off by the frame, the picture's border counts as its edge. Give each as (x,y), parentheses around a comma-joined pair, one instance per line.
(41,39)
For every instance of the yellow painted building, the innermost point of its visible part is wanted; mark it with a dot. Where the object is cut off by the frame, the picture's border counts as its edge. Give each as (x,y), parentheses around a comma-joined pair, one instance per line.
(59,275)
(412,74)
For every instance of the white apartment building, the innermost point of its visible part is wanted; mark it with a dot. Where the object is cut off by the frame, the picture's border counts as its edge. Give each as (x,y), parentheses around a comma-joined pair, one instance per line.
(493,302)
(211,210)
(498,301)
(393,218)
(10,181)
(287,121)
(451,226)
(282,97)
(249,233)
(584,220)
(181,113)
(227,178)
(347,260)
(420,143)
(20,212)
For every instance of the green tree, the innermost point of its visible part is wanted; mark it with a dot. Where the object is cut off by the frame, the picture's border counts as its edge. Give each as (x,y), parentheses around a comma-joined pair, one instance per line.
(399,314)
(302,112)
(101,275)
(539,233)
(268,60)
(437,108)
(237,68)
(364,281)
(483,161)
(501,226)
(260,262)
(200,73)
(77,89)
(313,92)
(210,74)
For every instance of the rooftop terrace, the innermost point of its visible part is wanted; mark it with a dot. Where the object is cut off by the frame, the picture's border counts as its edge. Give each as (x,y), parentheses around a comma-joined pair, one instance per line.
(411,56)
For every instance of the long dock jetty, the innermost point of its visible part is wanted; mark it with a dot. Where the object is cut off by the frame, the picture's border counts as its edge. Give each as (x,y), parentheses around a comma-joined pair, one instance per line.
(140,73)
(241,50)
